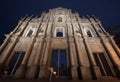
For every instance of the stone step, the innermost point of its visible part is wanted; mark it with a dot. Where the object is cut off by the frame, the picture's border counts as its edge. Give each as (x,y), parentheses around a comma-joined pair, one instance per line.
(58,80)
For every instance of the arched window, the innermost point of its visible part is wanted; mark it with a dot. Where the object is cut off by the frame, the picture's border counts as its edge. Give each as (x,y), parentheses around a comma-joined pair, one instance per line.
(59,34)
(60,19)
(100,31)
(89,33)
(30,33)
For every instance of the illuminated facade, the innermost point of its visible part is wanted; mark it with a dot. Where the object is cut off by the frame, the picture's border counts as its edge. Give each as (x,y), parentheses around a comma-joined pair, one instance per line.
(76,48)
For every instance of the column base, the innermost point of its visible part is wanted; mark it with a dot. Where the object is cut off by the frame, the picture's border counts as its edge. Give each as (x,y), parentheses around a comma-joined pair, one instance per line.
(95,71)
(117,70)
(20,73)
(74,73)
(84,73)
(44,72)
(2,69)
(33,72)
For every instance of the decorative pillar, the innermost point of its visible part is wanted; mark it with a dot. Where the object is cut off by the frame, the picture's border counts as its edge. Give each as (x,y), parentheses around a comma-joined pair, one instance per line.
(7,54)
(109,50)
(6,41)
(94,68)
(110,38)
(73,59)
(72,50)
(34,69)
(77,41)
(95,71)
(44,71)
(2,63)
(113,56)
(114,46)
(83,70)
(20,73)
(4,44)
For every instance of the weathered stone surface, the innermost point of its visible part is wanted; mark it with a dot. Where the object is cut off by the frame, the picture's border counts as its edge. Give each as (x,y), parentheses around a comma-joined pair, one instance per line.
(90,50)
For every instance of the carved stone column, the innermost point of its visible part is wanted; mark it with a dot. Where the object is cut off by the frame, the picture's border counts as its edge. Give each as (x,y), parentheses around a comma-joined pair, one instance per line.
(7,54)
(113,56)
(13,44)
(110,39)
(4,44)
(44,71)
(117,50)
(20,73)
(34,69)
(114,52)
(114,46)
(6,41)
(73,59)
(95,71)
(94,68)
(83,70)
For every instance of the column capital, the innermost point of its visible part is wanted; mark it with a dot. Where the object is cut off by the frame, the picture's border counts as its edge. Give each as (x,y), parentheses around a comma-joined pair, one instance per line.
(48,39)
(71,39)
(2,69)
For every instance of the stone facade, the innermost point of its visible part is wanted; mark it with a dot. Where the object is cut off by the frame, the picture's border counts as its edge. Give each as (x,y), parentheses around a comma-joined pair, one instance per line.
(90,52)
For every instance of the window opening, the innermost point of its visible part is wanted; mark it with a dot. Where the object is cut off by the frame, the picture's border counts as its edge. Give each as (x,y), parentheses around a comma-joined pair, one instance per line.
(89,33)
(59,62)
(60,19)
(30,33)
(15,62)
(59,34)
(103,64)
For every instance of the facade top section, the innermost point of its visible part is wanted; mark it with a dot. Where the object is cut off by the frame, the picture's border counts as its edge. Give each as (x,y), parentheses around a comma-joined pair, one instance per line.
(54,15)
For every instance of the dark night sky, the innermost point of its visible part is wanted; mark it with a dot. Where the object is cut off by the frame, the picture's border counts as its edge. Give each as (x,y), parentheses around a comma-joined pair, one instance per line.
(108,11)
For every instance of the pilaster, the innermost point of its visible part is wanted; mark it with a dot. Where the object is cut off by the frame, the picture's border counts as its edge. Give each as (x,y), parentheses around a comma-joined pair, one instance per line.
(95,71)
(32,73)
(44,71)
(83,70)
(107,45)
(73,59)
(117,50)
(114,46)
(94,68)
(113,57)
(6,41)
(7,54)
(23,65)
